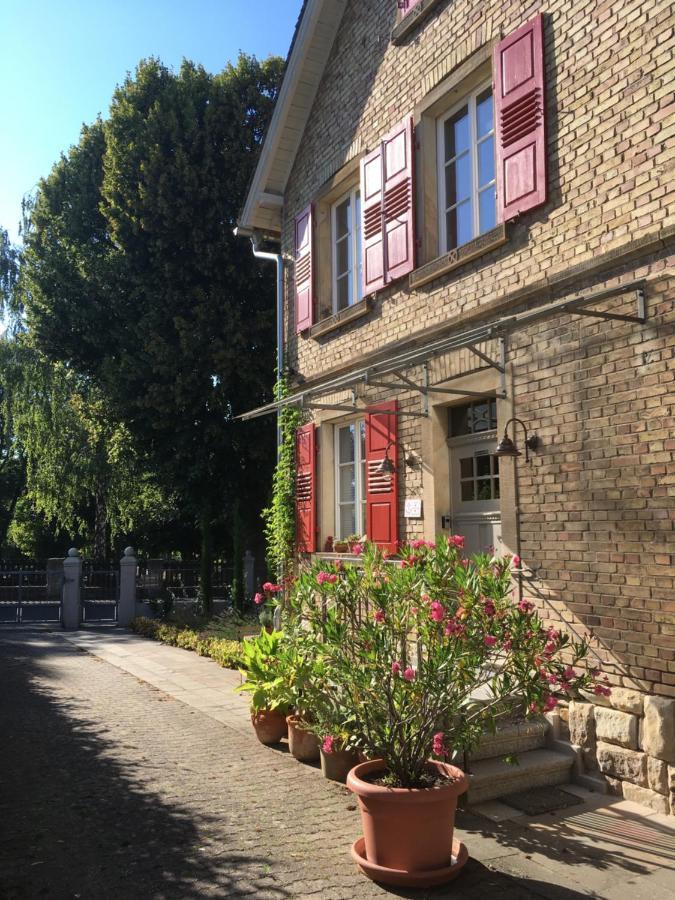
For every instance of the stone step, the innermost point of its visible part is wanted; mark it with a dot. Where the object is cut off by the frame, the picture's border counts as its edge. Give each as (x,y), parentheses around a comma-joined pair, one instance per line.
(494,778)
(512,737)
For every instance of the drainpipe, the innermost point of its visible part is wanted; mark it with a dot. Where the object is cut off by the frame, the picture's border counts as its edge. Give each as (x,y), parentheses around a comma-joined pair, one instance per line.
(276,258)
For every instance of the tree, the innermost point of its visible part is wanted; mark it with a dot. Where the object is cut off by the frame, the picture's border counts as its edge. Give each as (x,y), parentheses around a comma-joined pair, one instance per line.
(133,277)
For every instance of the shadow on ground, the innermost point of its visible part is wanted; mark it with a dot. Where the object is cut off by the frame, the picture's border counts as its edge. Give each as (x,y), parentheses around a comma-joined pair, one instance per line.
(75,823)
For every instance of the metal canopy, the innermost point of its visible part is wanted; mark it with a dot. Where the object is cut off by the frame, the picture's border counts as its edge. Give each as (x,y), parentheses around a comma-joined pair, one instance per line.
(389,373)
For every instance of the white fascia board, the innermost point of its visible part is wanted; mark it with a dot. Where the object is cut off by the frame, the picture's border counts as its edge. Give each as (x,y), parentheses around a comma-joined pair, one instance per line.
(320,22)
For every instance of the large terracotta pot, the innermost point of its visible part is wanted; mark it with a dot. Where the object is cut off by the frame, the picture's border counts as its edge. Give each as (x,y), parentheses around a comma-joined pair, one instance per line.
(303,745)
(270,726)
(408,832)
(336,765)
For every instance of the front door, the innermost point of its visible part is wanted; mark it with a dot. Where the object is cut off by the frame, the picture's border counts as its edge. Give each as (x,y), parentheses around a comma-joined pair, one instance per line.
(474,481)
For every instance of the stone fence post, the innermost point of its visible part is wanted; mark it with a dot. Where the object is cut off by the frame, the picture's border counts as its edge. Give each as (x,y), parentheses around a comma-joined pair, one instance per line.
(72,577)
(249,574)
(126,609)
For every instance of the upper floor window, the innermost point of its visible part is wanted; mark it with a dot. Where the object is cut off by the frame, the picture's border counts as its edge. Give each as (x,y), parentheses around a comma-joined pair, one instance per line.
(466,159)
(346,241)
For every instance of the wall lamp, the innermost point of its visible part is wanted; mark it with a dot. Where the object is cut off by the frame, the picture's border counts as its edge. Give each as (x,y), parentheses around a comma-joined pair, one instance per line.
(506,447)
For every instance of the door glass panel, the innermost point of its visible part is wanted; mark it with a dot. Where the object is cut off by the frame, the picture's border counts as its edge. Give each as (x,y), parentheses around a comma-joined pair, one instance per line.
(347,485)
(482,465)
(483,489)
(467,491)
(346,442)
(466,467)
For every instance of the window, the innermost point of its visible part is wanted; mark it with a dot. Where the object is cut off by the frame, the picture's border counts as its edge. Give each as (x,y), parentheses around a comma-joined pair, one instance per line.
(466,160)
(350,479)
(478,476)
(346,242)
(473,418)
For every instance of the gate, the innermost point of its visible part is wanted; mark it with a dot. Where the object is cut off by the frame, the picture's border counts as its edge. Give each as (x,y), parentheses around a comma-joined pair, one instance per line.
(99,594)
(30,596)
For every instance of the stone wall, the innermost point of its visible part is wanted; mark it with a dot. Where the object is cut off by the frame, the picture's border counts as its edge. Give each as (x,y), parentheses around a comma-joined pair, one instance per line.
(629,738)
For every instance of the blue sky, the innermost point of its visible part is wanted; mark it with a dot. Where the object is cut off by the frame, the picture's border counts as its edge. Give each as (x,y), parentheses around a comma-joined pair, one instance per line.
(60,61)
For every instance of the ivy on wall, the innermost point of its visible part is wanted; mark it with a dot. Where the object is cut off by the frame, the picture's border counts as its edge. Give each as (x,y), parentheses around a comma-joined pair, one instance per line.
(279,516)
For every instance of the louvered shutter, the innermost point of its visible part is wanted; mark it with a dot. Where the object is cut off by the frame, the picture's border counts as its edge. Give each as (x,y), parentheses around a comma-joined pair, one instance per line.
(304,294)
(305,489)
(387,209)
(520,115)
(382,487)
(407,5)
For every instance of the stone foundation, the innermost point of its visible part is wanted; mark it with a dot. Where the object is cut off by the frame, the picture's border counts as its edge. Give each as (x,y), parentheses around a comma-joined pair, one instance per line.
(629,738)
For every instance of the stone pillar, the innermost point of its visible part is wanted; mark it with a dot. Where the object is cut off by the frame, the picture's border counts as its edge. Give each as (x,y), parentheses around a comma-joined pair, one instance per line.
(126,609)
(70,606)
(249,574)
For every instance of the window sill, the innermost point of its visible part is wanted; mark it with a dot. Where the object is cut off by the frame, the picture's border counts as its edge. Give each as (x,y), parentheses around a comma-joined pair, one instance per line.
(457,257)
(410,21)
(332,323)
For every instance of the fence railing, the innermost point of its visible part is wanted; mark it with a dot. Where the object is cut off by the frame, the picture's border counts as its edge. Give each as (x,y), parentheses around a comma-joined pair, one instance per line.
(30,595)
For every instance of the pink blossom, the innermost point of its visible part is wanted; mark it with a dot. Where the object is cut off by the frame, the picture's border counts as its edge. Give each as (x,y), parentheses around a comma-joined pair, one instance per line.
(258,599)
(357,549)
(489,608)
(409,674)
(525,606)
(601,691)
(515,561)
(552,679)
(551,703)
(457,541)
(395,668)
(533,707)
(414,610)
(431,545)
(507,644)
(565,686)
(417,545)
(425,598)
(378,616)
(550,648)
(453,627)
(326,577)
(489,640)
(569,673)
(328,744)
(271,588)
(438,745)
(553,635)
(437,611)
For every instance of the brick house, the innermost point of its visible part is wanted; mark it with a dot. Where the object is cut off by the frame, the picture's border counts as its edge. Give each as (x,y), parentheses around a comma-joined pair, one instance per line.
(473,206)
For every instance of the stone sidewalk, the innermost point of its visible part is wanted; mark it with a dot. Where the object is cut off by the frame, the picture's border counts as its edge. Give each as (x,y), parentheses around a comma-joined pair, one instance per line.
(130,771)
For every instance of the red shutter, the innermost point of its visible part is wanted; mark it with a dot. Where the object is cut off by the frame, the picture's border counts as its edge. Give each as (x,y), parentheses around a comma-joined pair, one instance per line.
(305,489)
(407,5)
(388,225)
(304,294)
(520,116)
(382,488)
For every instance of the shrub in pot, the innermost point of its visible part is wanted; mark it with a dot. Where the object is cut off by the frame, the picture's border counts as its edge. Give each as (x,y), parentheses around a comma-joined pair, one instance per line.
(264,681)
(407,648)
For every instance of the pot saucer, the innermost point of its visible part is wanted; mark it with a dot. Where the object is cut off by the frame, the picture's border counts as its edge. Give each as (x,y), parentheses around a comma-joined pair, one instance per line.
(399,878)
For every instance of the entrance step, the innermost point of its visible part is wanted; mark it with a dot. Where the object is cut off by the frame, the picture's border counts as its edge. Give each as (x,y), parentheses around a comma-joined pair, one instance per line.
(512,737)
(494,778)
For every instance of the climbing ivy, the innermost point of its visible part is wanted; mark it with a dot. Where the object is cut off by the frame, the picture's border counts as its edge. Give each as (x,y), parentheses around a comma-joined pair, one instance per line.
(279,516)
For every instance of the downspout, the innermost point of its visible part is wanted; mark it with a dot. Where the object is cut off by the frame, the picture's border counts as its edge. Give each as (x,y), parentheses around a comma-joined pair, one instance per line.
(276,258)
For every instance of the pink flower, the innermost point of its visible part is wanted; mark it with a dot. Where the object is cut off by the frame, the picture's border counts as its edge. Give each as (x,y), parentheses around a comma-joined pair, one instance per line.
(453,627)
(515,561)
(552,679)
(489,640)
(550,648)
(565,686)
(328,744)
(409,674)
(437,612)
(553,635)
(414,610)
(326,577)
(378,616)
(525,606)
(357,549)
(551,703)
(601,691)
(425,598)
(490,608)
(271,588)
(417,545)
(438,746)
(533,707)
(457,541)
(507,644)
(258,599)
(569,673)
(395,668)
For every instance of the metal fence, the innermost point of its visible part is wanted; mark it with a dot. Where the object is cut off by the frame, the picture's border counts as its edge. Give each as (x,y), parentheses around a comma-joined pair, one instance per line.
(99,593)
(30,595)
(155,577)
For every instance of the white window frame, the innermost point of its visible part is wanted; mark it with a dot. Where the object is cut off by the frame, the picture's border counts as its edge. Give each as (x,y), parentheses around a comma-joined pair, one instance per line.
(355,255)
(470,101)
(359,483)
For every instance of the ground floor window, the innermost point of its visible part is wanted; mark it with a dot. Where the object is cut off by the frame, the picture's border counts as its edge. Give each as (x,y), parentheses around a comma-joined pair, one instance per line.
(350,479)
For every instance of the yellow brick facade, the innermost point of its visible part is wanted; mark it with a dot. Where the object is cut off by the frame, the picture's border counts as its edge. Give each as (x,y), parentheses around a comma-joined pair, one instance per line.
(597,502)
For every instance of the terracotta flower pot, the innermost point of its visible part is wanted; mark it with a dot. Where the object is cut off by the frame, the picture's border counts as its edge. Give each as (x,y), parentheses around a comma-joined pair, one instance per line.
(408,832)
(270,726)
(336,765)
(303,745)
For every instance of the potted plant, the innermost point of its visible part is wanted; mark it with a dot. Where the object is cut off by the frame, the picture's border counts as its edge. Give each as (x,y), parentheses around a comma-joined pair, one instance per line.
(408,647)
(265,684)
(340,546)
(296,669)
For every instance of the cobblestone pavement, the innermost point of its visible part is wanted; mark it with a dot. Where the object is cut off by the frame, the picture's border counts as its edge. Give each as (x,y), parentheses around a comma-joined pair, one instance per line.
(110,788)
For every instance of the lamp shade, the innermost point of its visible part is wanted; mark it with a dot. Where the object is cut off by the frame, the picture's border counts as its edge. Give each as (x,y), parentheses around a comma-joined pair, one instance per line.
(506,447)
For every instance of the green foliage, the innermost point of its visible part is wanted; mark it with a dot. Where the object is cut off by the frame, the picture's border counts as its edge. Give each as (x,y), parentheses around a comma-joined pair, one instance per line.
(227,653)
(419,656)
(262,666)
(279,516)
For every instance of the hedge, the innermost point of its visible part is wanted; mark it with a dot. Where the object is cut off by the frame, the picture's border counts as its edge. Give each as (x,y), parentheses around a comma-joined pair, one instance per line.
(226,653)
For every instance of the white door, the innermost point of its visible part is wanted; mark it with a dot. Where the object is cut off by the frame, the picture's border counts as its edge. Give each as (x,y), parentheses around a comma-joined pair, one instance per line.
(475,493)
